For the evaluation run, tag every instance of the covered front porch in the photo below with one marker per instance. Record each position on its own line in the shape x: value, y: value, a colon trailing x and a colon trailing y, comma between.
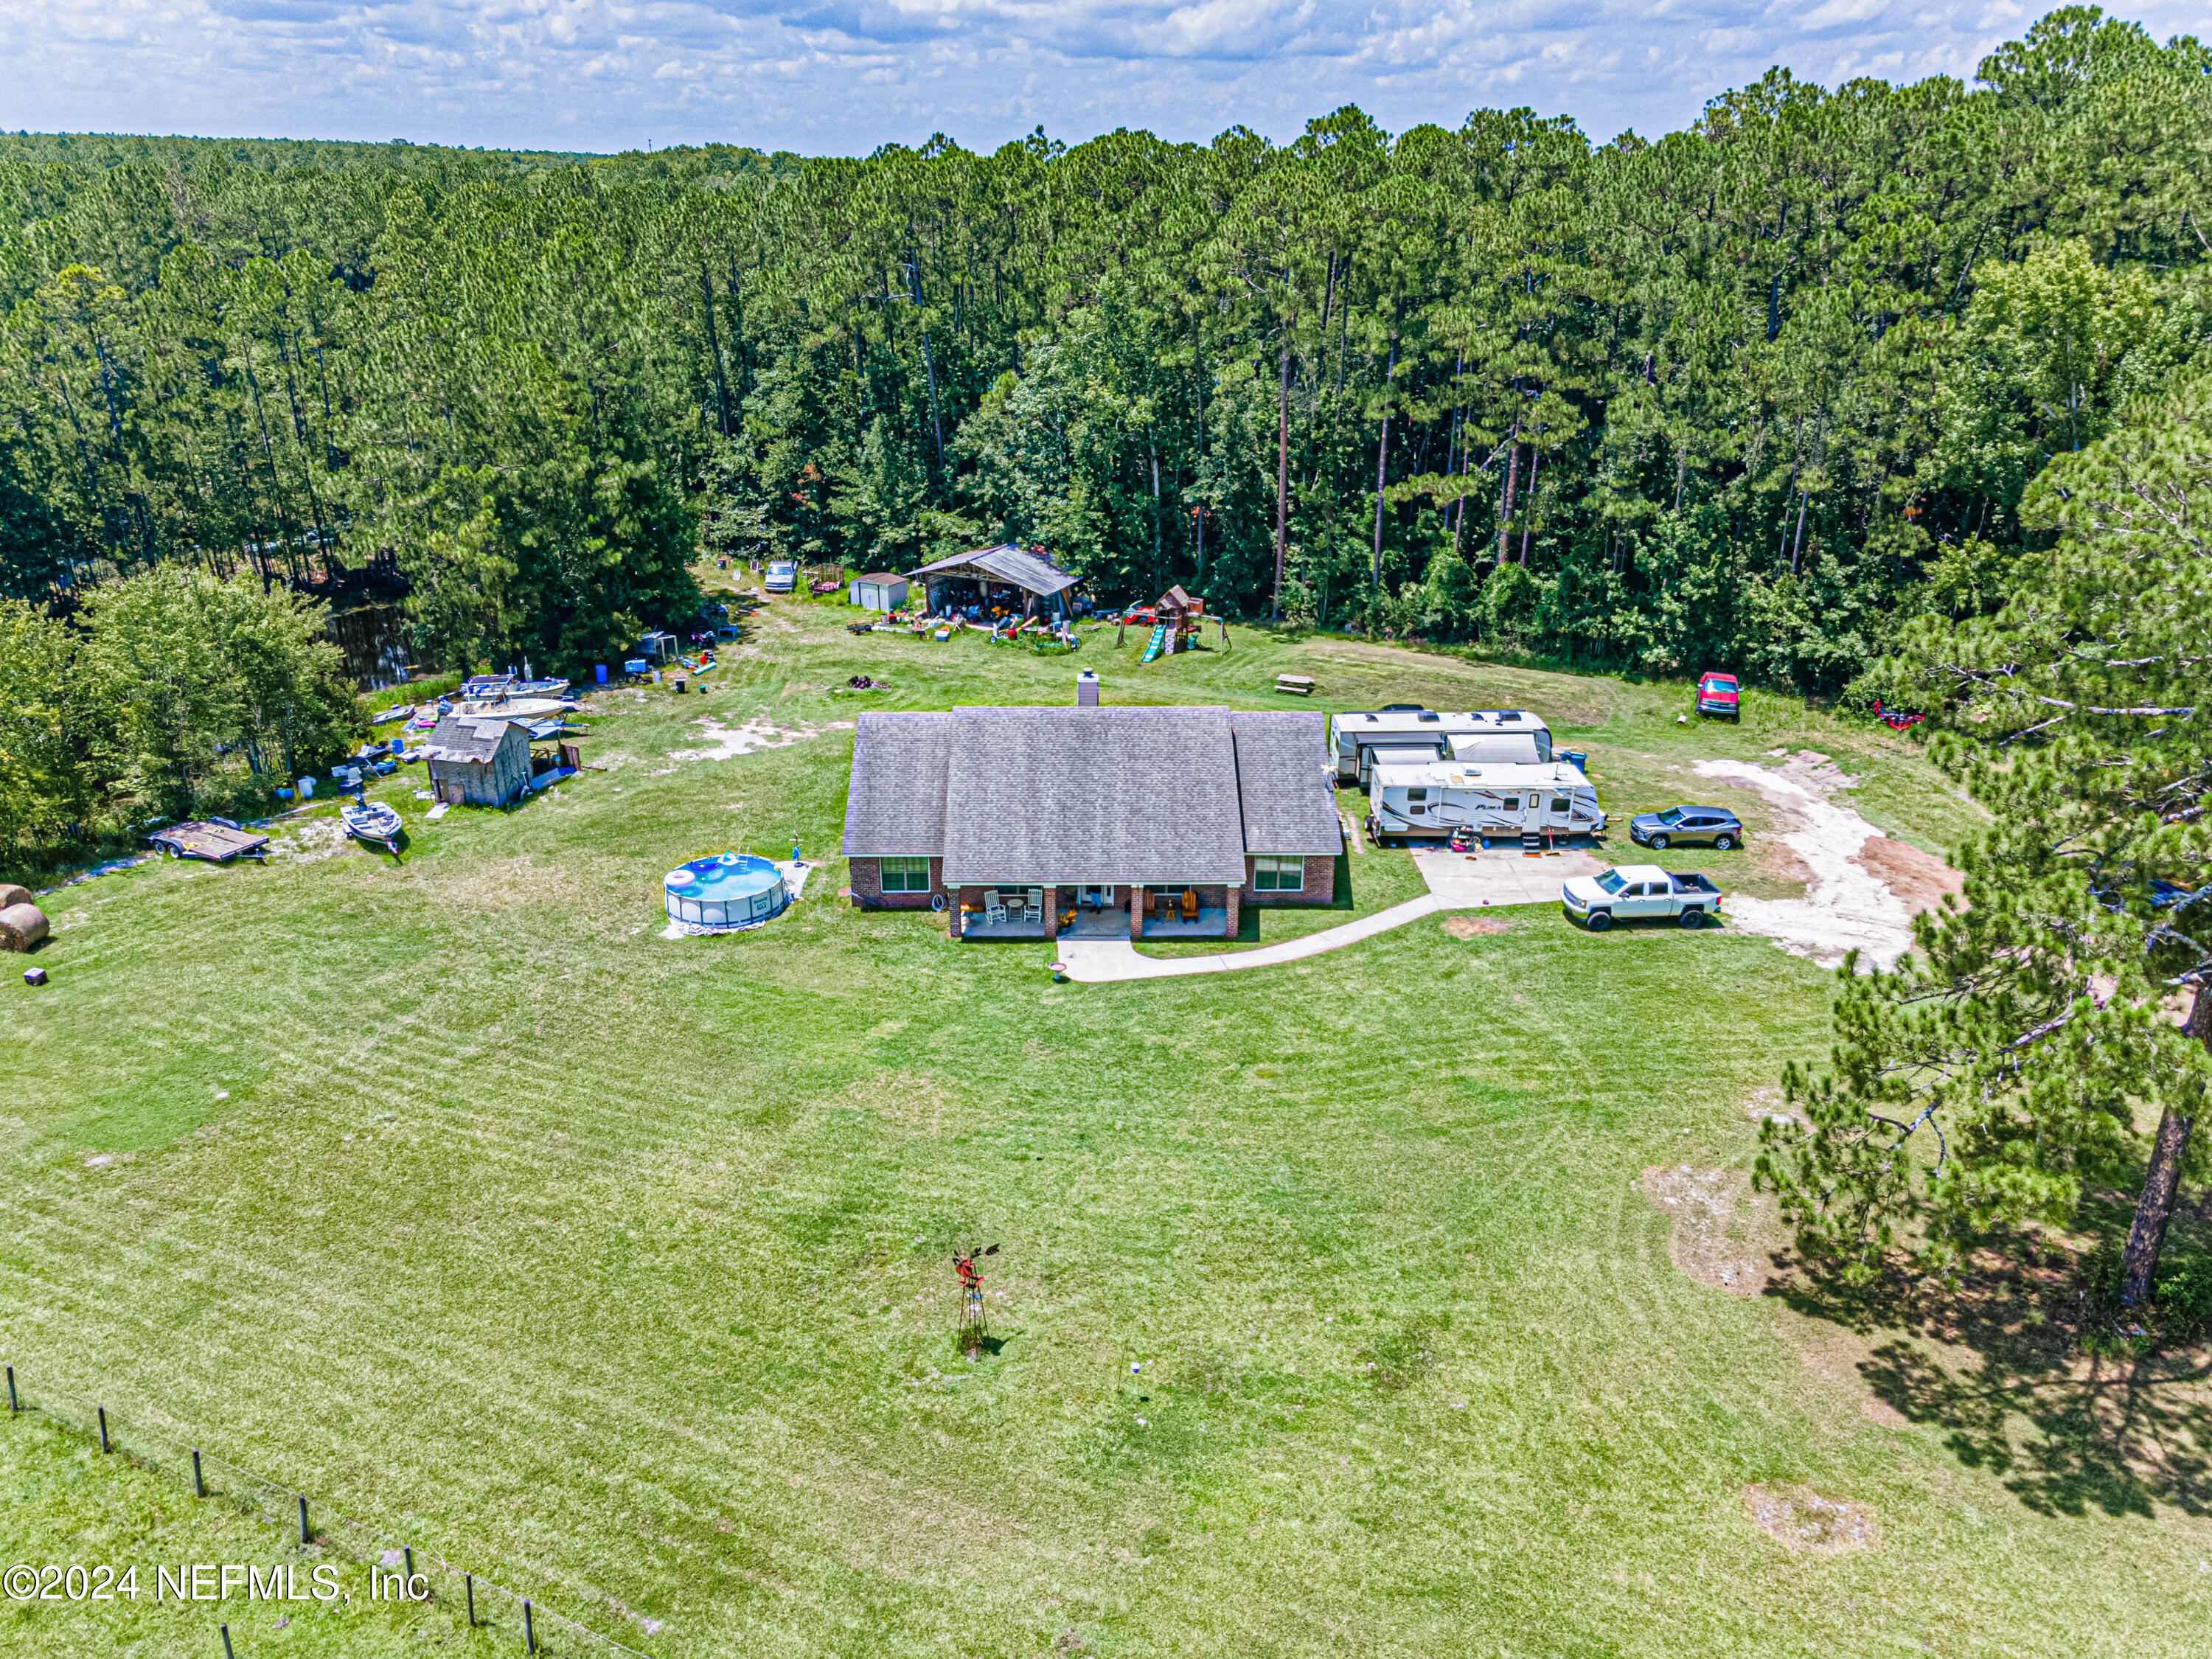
x: 1004, y: 910
x: 1192, y: 912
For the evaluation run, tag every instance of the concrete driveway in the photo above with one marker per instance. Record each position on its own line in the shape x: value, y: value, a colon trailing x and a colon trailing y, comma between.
x: 1469, y: 881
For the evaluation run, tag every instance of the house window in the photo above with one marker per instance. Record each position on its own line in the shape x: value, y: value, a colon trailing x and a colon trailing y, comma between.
x: 1278, y: 875
x: 906, y: 875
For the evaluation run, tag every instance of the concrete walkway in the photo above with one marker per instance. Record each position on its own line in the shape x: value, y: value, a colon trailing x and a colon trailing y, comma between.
x: 1457, y: 881
x: 1095, y: 961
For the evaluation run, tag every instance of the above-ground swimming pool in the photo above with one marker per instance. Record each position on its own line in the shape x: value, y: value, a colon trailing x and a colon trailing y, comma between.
x: 726, y: 891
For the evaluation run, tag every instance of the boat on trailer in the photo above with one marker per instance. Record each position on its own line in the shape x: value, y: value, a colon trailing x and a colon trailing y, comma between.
x: 372, y: 821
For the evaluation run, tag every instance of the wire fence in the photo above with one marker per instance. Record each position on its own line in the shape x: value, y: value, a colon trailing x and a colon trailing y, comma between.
x: 486, y: 1604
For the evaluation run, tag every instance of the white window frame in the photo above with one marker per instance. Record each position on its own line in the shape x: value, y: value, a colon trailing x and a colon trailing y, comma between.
x: 1284, y: 865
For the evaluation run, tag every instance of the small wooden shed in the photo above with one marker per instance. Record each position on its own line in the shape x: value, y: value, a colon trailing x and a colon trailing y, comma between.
x: 879, y: 590
x: 478, y: 760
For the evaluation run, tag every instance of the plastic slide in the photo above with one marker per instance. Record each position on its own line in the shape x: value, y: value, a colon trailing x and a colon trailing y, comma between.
x: 1156, y: 644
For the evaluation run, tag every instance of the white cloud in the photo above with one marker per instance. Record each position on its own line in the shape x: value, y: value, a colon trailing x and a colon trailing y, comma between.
x: 844, y: 75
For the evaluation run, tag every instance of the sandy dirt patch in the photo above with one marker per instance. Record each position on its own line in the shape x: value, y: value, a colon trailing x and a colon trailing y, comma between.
x: 1778, y: 862
x: 314, y: 839
x: 1704, y: 1206
x: 1767, y: 1105
x: 1842, y: 1361
x: 1475, y: 926
x: 728, y: 742
x: 1921, y: 879
x: 1802, y: 1520
x: 1848, y: 903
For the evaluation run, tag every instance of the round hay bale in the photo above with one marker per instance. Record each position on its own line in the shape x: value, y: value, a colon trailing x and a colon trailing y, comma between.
x: 11, y: 895
x: 21, y: 926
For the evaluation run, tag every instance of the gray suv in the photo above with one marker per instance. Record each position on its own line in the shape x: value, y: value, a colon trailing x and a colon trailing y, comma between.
x: 1685, y: 824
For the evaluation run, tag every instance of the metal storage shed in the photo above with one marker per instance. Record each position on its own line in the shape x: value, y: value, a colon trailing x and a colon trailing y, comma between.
x: 879, y: 590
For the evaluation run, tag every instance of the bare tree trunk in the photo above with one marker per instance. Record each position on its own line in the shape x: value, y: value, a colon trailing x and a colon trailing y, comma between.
x: 1382, y: 461
x: 1535, y: 460
x: 2155, y: 1208
x: 1506, y: 504
x: 928, y: 362
x: 1454, y: 446
x: 1282, y: 479
x: 1159, y: 556
x: 715, y: 349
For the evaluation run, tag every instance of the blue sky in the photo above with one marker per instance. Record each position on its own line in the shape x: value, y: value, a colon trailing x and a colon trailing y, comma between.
x: 843, y: 76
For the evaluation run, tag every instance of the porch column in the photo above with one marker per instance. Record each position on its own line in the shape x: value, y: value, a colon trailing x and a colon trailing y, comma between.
x: 1052, y: 913
x: 1234, y: 895
x: 1136, y: 912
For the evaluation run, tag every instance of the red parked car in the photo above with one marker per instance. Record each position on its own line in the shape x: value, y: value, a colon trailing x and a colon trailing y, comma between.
x: 1718, y: 694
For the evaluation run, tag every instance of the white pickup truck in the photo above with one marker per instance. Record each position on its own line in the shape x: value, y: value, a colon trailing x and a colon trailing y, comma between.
x: 1640, y: 892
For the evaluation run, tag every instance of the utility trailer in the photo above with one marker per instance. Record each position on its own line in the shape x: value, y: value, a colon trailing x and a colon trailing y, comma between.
x: 1354, y: 737
x: 1435, y: 799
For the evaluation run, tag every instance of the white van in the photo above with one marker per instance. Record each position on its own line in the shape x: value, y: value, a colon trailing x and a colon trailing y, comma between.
x: 1430, y: 801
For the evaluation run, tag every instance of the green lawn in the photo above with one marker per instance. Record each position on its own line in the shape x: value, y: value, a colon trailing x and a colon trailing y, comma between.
x: 616, y: 1267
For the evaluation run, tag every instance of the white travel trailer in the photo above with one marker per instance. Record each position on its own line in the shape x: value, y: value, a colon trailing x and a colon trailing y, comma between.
x: 1431, y: 800
x: 1501, y: 748
x: 1354, y: 737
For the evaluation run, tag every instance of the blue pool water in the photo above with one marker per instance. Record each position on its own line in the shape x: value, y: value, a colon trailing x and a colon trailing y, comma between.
x: 727, y: 890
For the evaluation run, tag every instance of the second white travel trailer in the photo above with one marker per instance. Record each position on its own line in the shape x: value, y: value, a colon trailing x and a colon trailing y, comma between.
x: 1431, y: 800
x: 1354, y: 738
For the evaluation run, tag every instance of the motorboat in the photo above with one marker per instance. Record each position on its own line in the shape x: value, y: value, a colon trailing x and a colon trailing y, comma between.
x: 374, y: 822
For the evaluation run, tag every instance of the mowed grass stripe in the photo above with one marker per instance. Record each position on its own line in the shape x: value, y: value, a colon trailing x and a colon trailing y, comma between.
x: 685, y: 1194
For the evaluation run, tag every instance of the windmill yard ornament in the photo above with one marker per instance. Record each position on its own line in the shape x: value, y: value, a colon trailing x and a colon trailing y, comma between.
x: 971, y: 1295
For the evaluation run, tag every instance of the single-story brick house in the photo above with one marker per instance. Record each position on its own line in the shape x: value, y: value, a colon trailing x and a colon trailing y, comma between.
x: 1153, y: 822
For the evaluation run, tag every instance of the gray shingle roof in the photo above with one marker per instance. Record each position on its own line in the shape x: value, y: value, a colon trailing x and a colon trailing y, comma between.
x: 1015, y: 566
x: 467, y: 738
x: 897, y: 800
x: 1283, y: 784
x: 1067, y: 795
x: 1062, y: 796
